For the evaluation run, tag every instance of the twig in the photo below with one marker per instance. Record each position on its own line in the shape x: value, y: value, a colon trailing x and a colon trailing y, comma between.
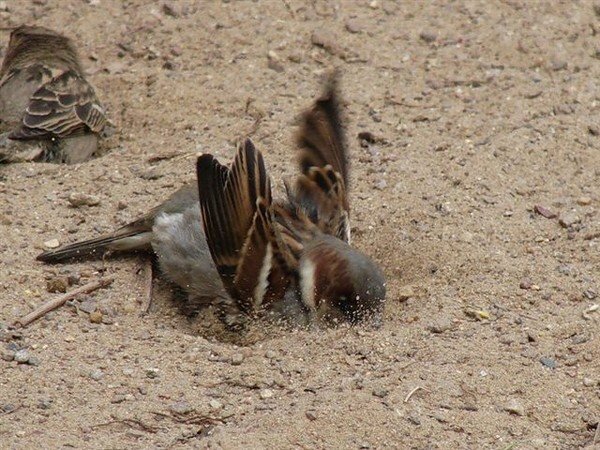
x: 148, y: 291
x: 130, y: 422
x: 59, y: 301
x: 411, y: 393
x: 10, y: 411
x: 193, y: 419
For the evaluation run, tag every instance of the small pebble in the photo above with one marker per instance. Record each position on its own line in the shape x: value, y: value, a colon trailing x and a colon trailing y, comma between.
x: 182, y: 407
x: 428, y: 36
x: 588, y: 382
x: 544, y: 212
x: 152, y: 372
x: 9, y: 407
x: 171, y: 9
x: 119, y: 398
x: 237, y: 359
x: 295, y: 56
x: 96, y: 374
x: 515, y: 407
x: 590, y: 294
x: 380, y: 185
x: 584, y: 201
x: 274, y: 62
x: 525, y: 283
x: 558, y: 64
x: 354, y: 25
x: 405, y: 293
x: 215, y: 404
x: 311, y: 415
x: 33, y: 361
x: 21, y: 356
x: 326, y: 39
x: 52, y: 243
x: 594, y: 130
x: 266, y: 394
x: 440, y: 325
x: 381, y: 393
x: 87, y: 306
x: 151, y: 174
x: 45, y: 403
x: 567, y: 220
x: 548, y: 362
x: 413, y: 418
x: 77, y: 199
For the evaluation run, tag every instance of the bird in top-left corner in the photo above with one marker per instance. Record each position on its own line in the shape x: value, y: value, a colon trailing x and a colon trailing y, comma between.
x: 46, y: 100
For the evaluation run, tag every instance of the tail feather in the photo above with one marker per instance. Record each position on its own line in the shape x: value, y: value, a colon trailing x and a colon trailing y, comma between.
x: 128, y: 240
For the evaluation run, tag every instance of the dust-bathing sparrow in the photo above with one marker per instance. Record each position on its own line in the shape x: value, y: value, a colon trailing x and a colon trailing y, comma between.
x: 288, y: 259
x: 44, y: 97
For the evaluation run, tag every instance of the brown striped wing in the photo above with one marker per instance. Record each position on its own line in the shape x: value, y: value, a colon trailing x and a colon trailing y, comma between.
x: 64, y: 106
x: 321, y: 188
x: 236, y: 215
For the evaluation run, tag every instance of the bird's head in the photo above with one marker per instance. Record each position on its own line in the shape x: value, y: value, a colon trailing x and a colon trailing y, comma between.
x: 339, y: 284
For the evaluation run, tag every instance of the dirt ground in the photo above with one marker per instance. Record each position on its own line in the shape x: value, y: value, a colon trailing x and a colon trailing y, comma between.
x: 481, y: 112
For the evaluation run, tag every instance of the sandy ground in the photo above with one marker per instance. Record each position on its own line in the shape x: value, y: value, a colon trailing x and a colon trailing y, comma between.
x: 481, y: 111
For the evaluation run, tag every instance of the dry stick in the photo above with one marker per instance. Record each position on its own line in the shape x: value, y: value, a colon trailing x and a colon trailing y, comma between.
x: 59, y: 301
x: 411, y: 393
x: 149, y: 278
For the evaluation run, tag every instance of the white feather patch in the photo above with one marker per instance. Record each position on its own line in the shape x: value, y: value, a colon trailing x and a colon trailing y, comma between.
x: 263, y: 277
x: 307, y: 283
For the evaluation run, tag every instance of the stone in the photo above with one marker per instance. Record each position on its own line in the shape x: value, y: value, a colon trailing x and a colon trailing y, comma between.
x: 354, y: 25
x: 182, y: 407
x: 381, y: 393
x: 428, y: 36
x: 405, y: 292
x: 266, y: 394
x: 52, y: 243
x: 515, y: 407
x: 237, y: 359
x: 544, y: 212
x: 568, y: 219
x: 96, y: 374
x: 78, y: 199
x: 21, y: 356
x: 548, y: 362
x: 311, y: 415
x: 584, y: 201
x: 440, y: 325
x: 215, y: 404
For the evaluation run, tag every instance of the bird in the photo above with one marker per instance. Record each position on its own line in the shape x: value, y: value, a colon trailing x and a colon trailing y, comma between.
x: 287, y: 259
x: 45, y: 98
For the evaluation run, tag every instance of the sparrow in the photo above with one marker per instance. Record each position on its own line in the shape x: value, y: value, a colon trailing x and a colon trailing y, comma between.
x: 227, y: 238
x: 44, y: 97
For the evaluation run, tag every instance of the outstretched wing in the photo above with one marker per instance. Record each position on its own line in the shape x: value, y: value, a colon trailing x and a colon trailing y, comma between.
x: 64, y: 106
x: 236, y: 215
x: 321, y: 188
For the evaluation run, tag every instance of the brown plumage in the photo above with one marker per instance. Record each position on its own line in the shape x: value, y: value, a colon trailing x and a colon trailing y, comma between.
x: 44, y: 96
x: 289, y: 259
x: 292, y: 255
